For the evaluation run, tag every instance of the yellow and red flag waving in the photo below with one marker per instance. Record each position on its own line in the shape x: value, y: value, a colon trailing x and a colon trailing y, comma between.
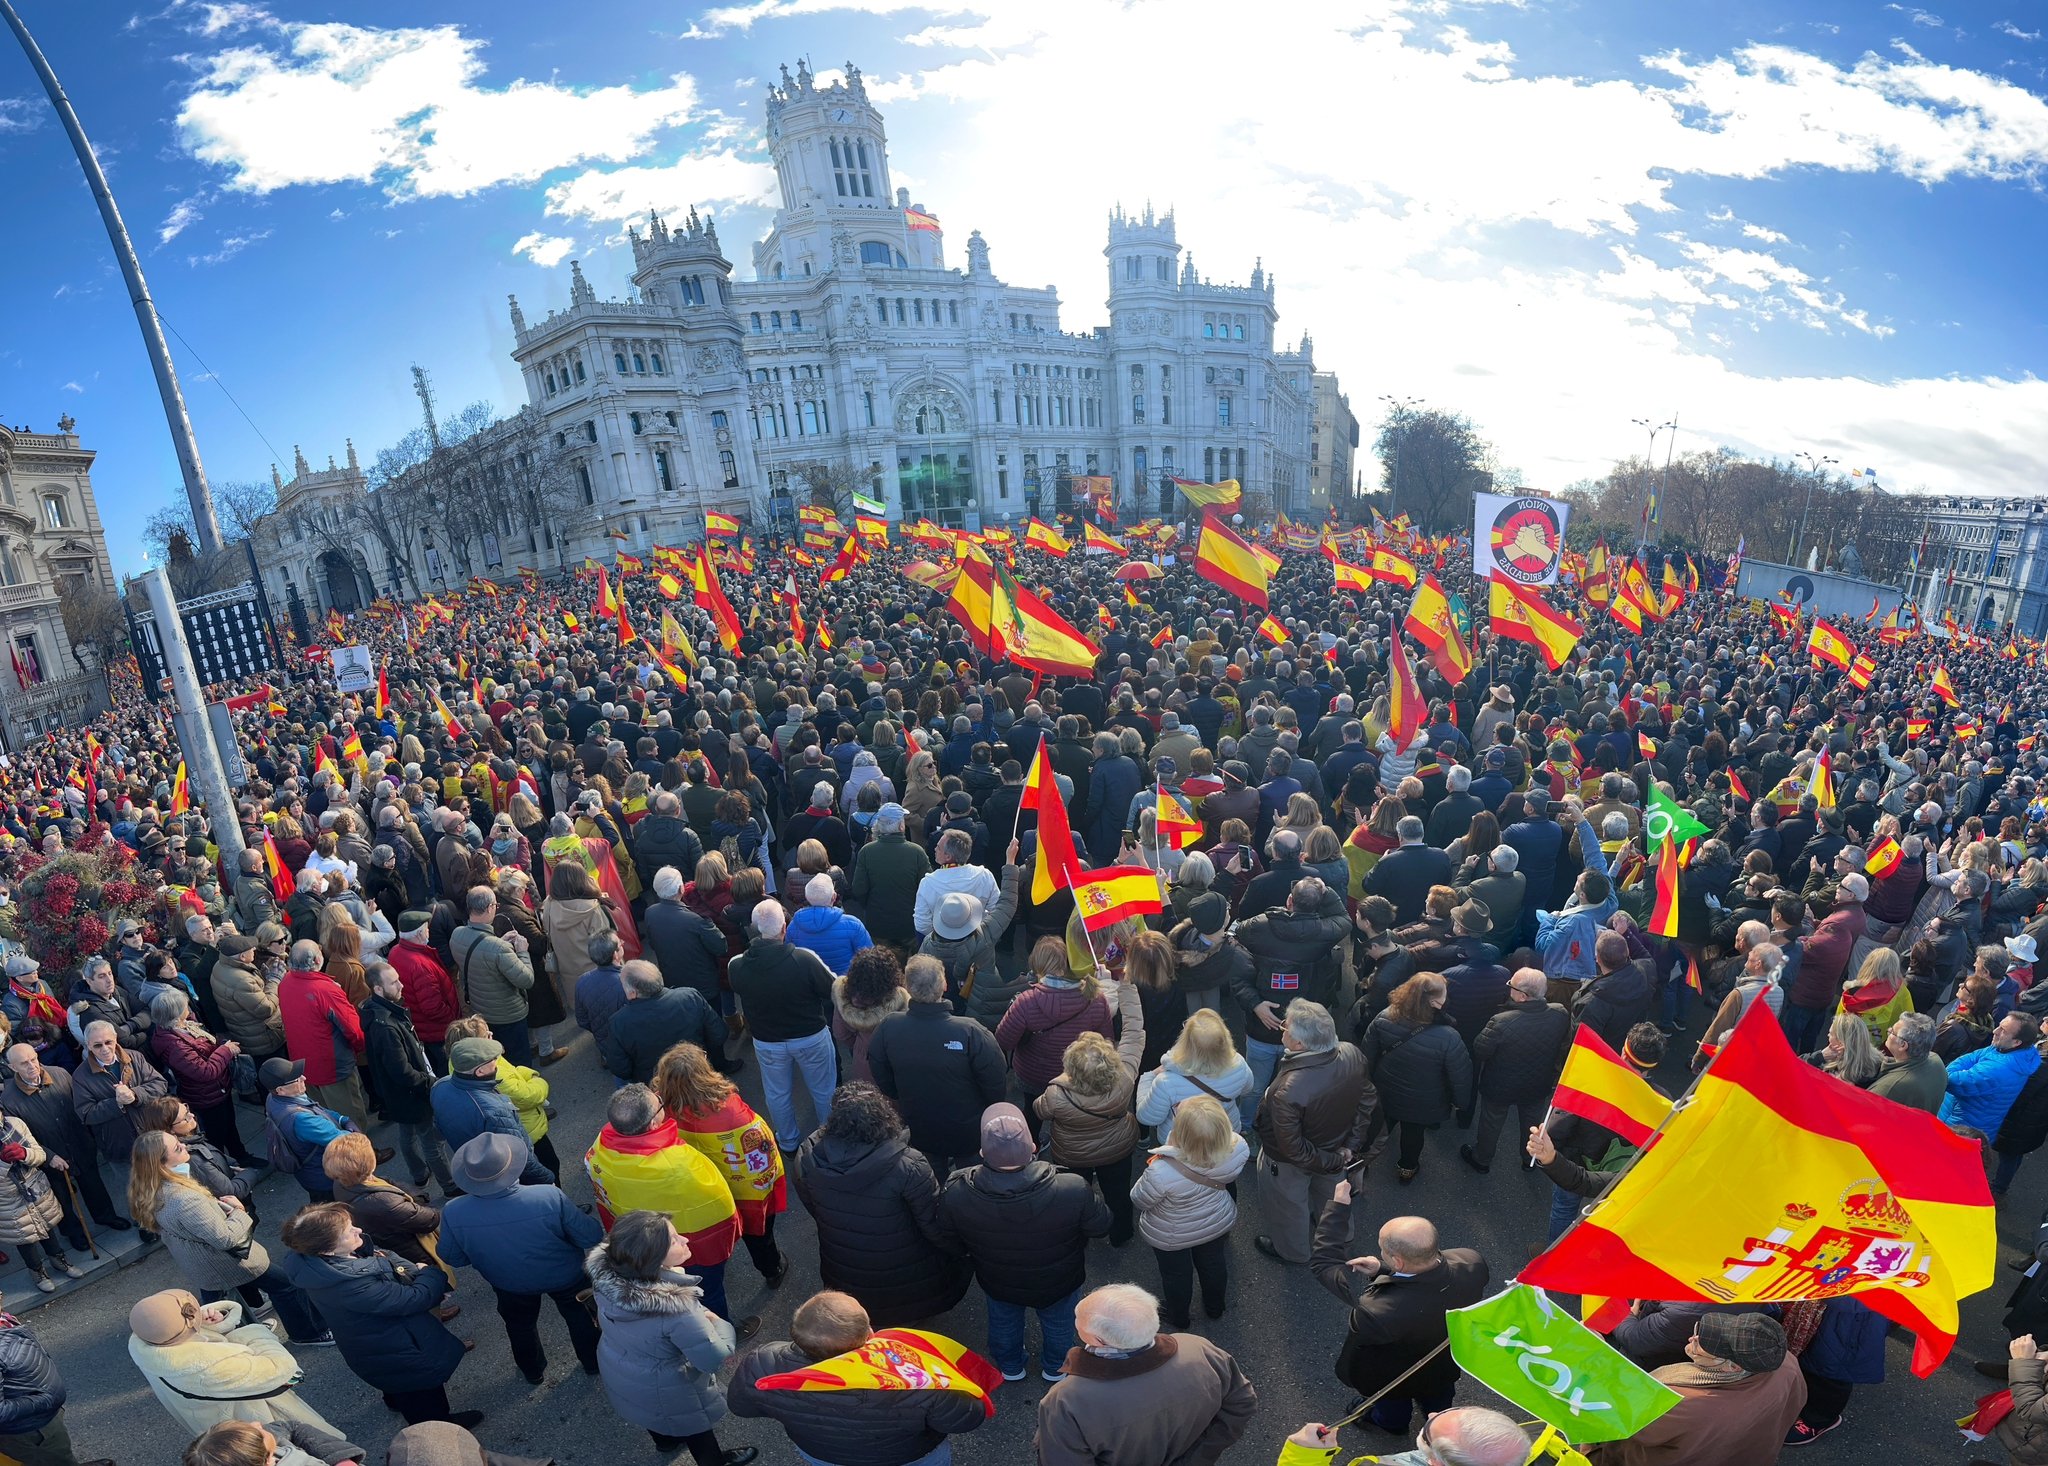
x: 1223, y: 495
x: 1273, y: 631
x: 1944, y: 688
x: 1664, y: 910
x: 448, y: 720
x: 898, y: 1359
x: 1860, y: 1195
x: 1829, y: 645
x: 1860, y: 672
x: 1597, y: 1085
x: 181, y: 792
x: 1598, y: 589
x: 668, y: 585
x: 607, y: 603
x: 1175, y: 827
x: 1057, y: 865
x: 1520, y: 614
x: 627, y: 635
x: 1094, y: 539
x: 1350, y: 577
x: 1883, y: 859
x: 1408, y: 711
x: 1822, y: 786
x: 1392, y: 568
x: 282, y: 885
x: 1047, y: 539
x: 1110, y: 895
x: 1222, y: 559
x: 720, y: 524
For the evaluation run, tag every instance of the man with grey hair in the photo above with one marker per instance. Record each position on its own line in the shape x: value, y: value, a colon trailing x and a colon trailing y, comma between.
x: 1518, y: 1055
x: 941, y: 1070
x: 786, y: 993
x: 1452, y: 816
x: 1398, y: 1301
x: 1467, y: 1436
x: 1911, y: 1074
x: 1137, y: 1397
x: 1503, y: 888
x: 324, y: 1031
x: 664, y: 837
x: 655, y: 1017
x: 255, y: 900
x: 107, y: 1085
x: 887, y: 881
x: 1314, y: 1122
x: 957, y: 875
x: 1404, y: 875
x: 689, y: 950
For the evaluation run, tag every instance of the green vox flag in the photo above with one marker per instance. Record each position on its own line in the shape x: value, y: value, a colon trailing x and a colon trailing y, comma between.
x: 1535, y: 1355
x: 1668, y: 820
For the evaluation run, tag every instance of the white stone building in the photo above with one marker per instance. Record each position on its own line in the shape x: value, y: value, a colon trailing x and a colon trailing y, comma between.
x: 50, y: 536
x: 1332, y: 446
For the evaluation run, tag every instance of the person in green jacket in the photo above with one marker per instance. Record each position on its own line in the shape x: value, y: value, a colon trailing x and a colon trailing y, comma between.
x: 1469, y: 1436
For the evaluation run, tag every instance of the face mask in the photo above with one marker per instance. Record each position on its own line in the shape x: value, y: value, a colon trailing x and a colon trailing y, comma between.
x: 183, y: 1168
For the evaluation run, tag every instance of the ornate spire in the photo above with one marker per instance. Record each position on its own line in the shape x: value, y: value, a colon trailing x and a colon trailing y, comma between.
x: 977, y: 254
x: 276, y: 479
x: 580, y: 292
x: 299, y: 468
x: 353, y: 466
x: 518, y: 316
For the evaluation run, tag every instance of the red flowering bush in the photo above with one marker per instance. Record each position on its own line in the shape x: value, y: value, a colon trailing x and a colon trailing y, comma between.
x: 69, y: 906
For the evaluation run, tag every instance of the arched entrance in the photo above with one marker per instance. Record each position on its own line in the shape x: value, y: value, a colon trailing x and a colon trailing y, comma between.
x: 342, y: 592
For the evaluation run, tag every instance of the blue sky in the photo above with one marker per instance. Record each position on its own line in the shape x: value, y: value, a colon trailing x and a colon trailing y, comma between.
x: 1799, y: 228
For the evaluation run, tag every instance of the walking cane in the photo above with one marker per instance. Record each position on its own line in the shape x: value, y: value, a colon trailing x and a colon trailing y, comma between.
x: 78, y: 1210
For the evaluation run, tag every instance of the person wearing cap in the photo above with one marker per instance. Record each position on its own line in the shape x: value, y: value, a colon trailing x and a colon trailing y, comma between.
x: 381, y: 1311
x: 785, y: 990
x: 468, y: 1102
x: 248, y: 1005
x: 205, y: 1365
x: 1740, y: 1390
x: 428, y: 985
x: 1823, y: 964
x: 886, y: 882
x: 819, y: 926
x: 297, y: 1127
x: 34, y: 1012
x: 526, y: 1240
x: 1024, y: 1224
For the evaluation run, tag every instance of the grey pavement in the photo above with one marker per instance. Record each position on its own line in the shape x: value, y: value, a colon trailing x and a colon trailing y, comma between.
x: 1284, y: 1330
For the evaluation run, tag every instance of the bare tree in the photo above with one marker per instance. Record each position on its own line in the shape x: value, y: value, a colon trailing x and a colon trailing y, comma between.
x: 537, y: 487
x: 1433, y: 462
x: 94, y: 619
x: 833, y: 482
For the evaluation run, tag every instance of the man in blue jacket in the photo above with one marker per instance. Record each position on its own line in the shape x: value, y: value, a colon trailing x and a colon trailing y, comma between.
x: 1983, y: 1084
x: 821, y: 927
x: 467, y: 1103
x: 297, y: 1127
x: 528, y: 1242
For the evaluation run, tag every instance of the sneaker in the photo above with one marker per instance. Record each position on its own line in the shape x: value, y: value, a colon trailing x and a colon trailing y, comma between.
x: 318, y: 1341
x: 1013, y: 1378
x: 1052, y: 1376
x: 70, y: 1269
x: 1802, y: 1434
x: 740, y: 1456
x: 44, y: 1283
x: 552, y: 1056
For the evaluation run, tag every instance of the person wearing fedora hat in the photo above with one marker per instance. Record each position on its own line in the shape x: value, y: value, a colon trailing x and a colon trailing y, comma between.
x: 205, y: 1365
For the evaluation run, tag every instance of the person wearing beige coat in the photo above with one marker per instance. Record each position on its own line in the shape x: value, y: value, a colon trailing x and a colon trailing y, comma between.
x: 1090, y: 1125
x: 29, y: 1210
x: 205, y: 1365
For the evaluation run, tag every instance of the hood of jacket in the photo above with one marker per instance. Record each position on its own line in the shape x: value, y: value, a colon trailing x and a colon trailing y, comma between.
x: 866, y: 1020
x: 672, y: 1292
x: 1026, y: 1180
x: 440, y: 1443
x: 1224, y: 1171
x: 831, y: 1156
x: 816, y: 920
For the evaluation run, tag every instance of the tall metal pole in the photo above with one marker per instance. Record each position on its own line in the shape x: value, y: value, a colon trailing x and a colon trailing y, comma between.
x: 1818, y: 468
x: 182, y: 439
x: 208, y: 779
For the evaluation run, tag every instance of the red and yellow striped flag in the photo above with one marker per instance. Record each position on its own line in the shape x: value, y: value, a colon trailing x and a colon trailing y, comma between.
x: 1664, y: 910
x: 898, y: 1359
x: 1829, y: 645
x: 1944, y: 688
x: 1222, y: 559
x: 1883, y: 859
x: 1046, y: 539
x: 720, y: 524
x: 1521, y: 614
x: 1176, y: 829
x: 1860, y: 1196
x: 1094, y: 539
x: 1598, y: 1085
x: 181, y: 792
x: 1110, y: 895
x: 1408, y: 711
x: 1273, y: 631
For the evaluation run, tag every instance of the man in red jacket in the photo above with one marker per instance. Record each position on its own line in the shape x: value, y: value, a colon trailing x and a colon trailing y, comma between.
x: 323, y: 1031
x: 430, y: 994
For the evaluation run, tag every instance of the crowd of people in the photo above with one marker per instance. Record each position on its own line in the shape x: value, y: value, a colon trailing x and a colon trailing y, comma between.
x: 816, y: 861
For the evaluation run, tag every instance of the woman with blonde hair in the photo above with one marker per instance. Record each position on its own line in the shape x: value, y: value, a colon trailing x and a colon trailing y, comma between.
x: 1877, y: 994
x: 1186, y: 1207
x: 1301, y: 815
x: 211, y: 1238
x: 921, y: 790
x: 711, y: 1116
x: 1202, y: 1061
x: 1086, y: 1108
x: 1850, y: 1054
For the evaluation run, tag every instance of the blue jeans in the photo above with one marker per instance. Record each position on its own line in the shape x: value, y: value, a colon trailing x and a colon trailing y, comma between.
x: 711, y: 1280
x: 1564, y: 1210
x: 1055, y: 1334
x: 2008, y: 1167
x: 1805, y: 1028
x: 1677, y: 998
x: 1264, y: 1059
x: 939, y: 1455
x: 518, y: 1042
x: 813, y: 1059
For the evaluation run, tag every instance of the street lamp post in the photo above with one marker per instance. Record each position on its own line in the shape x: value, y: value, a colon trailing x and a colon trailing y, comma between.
x: 1401, y: 407
x: 1815, y: 467
x: 1649, y: 462
x: 182, y: 438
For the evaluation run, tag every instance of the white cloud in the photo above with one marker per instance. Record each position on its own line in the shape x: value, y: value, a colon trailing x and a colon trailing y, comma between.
x: 545, y: 250
x: 2006, y: 27
x: 19, y: 114
x: 1758, y: 231
x: 1918, y: 16
x: 621, y: 194
x: 235, y: 15
x: 183, y: 215
x: 73, y: 387
x: 227, y: 249
x: 405, y: 108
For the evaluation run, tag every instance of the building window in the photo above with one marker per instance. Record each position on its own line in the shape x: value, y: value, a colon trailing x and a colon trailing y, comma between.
x: 1223, y: 409
x: 867, y: 400
x: 1131, y: 268
x: 671, y: 418
x: 1166, y: 407
x: 590, y: 432
x: 1241, y: 474
x: 579, y: 370
x: 719, y: 422
x: 952, y: 312
x: 640, y: 363
x: 619, y: 360
x: 634, y: 418
x: 1237, y: 333
x: 873, y: 252
x: 661, y: 473
x: 54, y: 512
x: 1137, y: 465
x: 1013, y: 320
x: 754, y: 318
x: 917, y: 311
x: 1027, y: 322
x: 1137, y: 407
x: 659, y: 370
x: 583, y: 482
x: 1209, y: 329
x: 728, y: 467
x: 899, y: 310
x: 775, y: 320
x: 551, y: 384
x: 796, y: 320
x: 996, y: 395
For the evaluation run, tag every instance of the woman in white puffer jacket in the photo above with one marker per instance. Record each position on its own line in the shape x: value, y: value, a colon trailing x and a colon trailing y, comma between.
x: 1186, y: 1209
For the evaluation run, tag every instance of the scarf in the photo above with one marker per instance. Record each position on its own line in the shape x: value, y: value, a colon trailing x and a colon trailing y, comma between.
x: 41, y: 1005
x: 1869, y: 997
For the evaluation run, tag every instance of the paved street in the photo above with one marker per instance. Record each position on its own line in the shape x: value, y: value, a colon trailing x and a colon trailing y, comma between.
x: 1282, y: 1327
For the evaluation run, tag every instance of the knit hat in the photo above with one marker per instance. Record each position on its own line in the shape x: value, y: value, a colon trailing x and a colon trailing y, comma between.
x: 489, y: 1164
x: 467, y: 1055
x: 1005, y: 1138
x: 1751, y: 1341
x: 1210, y: 912
x: 162, y: 1317
x: 958, y: 916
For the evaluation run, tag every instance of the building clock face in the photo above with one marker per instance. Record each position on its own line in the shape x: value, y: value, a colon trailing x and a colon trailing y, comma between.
x: 840, y: 114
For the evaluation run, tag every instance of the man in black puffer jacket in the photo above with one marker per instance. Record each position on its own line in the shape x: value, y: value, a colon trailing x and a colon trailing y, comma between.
x: 1025, y: 1225
x: 1294, y: 955
x: 845, y: 1427
x: 665, y: 838
x: 1519, y: 1054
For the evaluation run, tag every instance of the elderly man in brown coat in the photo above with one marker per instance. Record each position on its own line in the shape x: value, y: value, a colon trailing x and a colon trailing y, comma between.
x: 1138, y: 1397
x: 1739, y: 1391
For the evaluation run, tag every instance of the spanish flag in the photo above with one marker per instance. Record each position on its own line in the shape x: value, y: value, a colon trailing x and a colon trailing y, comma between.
x: 720, y: 524
x: 1945, y: 689
x: 569, y: 620
x: 1407, y: 709
x: 1274, y: 632
x: 1664, y: 910
x: 627, y: 635
x: 1635, y: 587
x: 1113, y: 894
x: 1223, y: 495
x: 1626, y: 611
x: 1860, y: 1196
x: 868, y: 525
x: 448, y: 720
x: 181, y: 792
x: 282, y: 886
x: 628, y: 565
x: 1392, y: 568
x: 899, y: 1359
x: 1822, y: 786
x: 1047, y: 539
x: 1057, y: 865
x: 1224, y: 560
x: 1175, y: 828
x: 1598, y: 1085
x: 1883, y: 859
x: 352, y: 749
x: 383, y: 693
x: 1736, y: 787
x: 1431, y: 622
x: 1829, y: 645
x: 1674, y: 590
x: 1520, y: 614
x: 1860, y: 672
x: 1350, y: 577
x: 607, y: 603
x: 1162, y: 636
x: 670, y: 588
x: 1598, y: 589
x: 1094, y: 539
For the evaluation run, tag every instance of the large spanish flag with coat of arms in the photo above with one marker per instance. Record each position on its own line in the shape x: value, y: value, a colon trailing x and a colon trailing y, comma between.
x: 1774, y: 1182
x: 898, y: 1359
